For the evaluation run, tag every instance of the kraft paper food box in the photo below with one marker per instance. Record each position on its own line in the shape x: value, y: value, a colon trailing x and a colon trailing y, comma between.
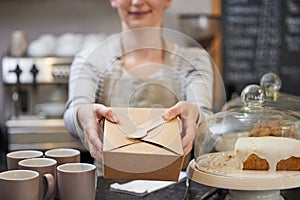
x: 157, y: 156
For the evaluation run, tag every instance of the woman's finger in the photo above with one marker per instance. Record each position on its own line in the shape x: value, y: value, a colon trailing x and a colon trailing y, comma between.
x: 187, y: 149
x: 94, y: 143
x: 188, y: 137
x: 95, y: 153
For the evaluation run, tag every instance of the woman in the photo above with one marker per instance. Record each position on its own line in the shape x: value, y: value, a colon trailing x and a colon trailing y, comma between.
x: 138, y: 68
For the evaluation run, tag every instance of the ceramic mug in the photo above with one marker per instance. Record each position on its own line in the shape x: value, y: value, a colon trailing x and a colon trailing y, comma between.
x: 46, y: 167
x: 19, y: 185
x: 50, y: 109
x: 14, y: 157
x: 18, y: 46
x: 77, y: 181
x: 63, y: 155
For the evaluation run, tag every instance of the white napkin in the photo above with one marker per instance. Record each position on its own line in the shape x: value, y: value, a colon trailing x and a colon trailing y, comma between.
x: 143, y: 187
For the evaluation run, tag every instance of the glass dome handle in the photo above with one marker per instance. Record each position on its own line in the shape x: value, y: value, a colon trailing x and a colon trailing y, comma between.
x: 271, y: 83
x: 253, y: 95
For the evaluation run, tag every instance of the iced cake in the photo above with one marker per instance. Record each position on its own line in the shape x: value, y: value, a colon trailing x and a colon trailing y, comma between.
x: 268, y: 153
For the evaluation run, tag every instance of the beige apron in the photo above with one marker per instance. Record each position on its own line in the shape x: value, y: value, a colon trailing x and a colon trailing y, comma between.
x: 122, y: 89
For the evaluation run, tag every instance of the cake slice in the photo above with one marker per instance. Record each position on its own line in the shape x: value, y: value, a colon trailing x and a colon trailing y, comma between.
x: 273, y: 128
x: 268, y: 153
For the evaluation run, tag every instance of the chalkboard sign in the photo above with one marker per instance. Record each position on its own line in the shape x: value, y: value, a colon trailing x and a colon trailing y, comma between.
x: 261, y: 36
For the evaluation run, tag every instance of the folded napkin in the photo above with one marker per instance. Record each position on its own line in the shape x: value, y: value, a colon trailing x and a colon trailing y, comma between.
x: 143, y: 187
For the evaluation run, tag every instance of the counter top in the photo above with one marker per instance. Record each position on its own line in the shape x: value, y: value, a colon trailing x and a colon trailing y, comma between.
x: 177, y: 191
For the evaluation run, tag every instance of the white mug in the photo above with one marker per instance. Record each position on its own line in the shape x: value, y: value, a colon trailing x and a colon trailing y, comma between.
x: 18, y: 45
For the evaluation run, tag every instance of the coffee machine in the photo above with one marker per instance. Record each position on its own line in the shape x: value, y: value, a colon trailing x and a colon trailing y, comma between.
x: 34, y: 94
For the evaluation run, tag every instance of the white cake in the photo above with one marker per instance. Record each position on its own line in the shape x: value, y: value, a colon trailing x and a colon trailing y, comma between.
x: 268, y: 151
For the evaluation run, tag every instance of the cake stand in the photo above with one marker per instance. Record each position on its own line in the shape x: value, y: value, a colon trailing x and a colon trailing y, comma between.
x: 219, y: 170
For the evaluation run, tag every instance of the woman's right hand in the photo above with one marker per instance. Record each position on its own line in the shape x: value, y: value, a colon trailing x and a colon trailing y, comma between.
x: 89, y: 117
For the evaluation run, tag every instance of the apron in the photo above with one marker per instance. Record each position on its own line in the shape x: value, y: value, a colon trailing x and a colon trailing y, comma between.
x: 122, y: 89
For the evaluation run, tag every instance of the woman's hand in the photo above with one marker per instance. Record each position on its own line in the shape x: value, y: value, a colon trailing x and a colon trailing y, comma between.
x: 189, y: 113
x: 89, y: 117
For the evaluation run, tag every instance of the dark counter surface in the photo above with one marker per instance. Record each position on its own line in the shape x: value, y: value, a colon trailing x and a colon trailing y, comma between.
x: 177, y: 191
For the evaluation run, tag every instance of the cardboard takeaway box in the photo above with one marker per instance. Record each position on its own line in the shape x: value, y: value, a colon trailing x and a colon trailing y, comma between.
x: 157, y: 156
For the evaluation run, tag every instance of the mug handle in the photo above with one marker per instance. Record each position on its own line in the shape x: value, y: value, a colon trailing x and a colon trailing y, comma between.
x: 50, y: 192
x: 96, y: 180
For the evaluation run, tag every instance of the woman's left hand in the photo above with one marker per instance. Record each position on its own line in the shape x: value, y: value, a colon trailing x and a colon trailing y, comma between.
x: 189, y: 114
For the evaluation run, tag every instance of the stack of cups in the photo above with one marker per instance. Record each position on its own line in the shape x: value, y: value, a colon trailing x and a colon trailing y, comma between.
x: 58, y: 174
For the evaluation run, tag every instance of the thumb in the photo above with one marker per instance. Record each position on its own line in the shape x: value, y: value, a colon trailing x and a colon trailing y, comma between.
x: 171, y: 113
x: 106, y: 112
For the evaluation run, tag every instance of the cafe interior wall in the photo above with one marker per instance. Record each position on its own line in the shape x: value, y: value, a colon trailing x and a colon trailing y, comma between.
x: 36, y: 17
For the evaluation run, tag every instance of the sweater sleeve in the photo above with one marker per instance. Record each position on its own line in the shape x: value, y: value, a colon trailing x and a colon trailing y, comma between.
x: 196, y: 75
x: 82, y: 87
x: 86, y: 71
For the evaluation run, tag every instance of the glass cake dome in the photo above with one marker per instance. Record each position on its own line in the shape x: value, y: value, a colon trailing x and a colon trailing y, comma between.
x: 271, y: 83
x: 220, y: 132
